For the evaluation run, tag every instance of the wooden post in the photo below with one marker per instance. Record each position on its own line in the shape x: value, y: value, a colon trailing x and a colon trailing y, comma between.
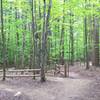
x: 68, y: 69
x: 34, y: 75
x: 65, y: 70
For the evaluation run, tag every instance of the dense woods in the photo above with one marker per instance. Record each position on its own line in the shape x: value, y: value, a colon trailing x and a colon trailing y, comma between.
x: 39, y: 33
x: 49, y: 49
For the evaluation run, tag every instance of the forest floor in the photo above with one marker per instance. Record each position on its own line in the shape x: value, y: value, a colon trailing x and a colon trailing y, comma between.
x: 81, y: 85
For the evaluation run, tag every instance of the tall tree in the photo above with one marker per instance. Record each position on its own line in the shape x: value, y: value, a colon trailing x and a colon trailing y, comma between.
x: 43, y: 45
x: 86, y: 38
x: 3, y: 42
x: 44, y: 38
x: 62, y: 36
x: 71, y: 39
x: 17, y: 40
x: 95, y: 60
x: 33, y: 34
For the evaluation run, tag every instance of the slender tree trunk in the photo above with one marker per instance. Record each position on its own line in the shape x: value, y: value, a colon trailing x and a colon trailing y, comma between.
x: 17, y: 41
x: 33, y: 40
x: 23, y: 48
x: 95, y: 41
x: 71, y: 40
x: 48, y: 28
x: 86, y: 38
x: 86, y: 43
x: 35, y: 36
x: 39, y: 43
x: 3, y: 43
x: 44, y: 38
x: 43, y: 45
x: 62, y: 38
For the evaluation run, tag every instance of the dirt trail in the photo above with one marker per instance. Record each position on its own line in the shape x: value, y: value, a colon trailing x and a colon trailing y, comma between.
x: 73, y: 88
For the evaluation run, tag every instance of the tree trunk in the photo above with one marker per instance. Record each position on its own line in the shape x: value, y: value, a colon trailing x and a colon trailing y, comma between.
x: 95, y: 61
x: 86, y: 43
x: 71, y: 40
x: 3, y: 43
x: 43, y: 45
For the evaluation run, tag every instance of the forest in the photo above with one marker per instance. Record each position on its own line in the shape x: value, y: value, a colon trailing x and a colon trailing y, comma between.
x: 49, y: 40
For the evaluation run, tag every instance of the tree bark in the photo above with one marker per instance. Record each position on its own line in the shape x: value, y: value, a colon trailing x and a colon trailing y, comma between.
x: 3, y: 43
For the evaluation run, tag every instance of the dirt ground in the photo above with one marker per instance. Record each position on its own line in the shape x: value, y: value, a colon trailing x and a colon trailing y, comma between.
x: 81, y: 85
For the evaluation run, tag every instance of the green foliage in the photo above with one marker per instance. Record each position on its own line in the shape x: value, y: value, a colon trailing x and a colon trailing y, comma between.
x: 14, y: 24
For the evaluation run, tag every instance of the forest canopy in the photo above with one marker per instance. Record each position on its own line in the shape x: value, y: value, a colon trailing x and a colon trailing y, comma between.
x: 69, y: 26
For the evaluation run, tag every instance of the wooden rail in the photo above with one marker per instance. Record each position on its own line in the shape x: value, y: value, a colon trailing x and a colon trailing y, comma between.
x: 11, y: 75
x: 8, y: 76
x: 23, y: 70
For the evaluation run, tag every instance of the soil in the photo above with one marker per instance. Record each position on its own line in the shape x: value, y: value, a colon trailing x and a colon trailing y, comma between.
x: 81, y: 85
